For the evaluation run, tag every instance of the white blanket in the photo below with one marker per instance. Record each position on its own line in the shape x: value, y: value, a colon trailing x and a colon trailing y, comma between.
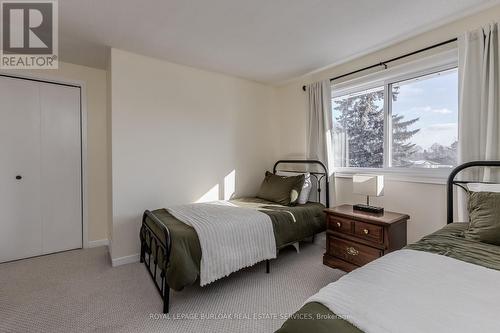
x: 414, y: 291
x: 230, y: 237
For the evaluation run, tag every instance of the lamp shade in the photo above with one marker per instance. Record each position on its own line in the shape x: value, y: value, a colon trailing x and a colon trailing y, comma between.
x: 372, y: 185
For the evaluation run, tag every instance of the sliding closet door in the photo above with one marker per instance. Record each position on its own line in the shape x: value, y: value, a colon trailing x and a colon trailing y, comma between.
x: 60, y: 168
x: 20, y: 201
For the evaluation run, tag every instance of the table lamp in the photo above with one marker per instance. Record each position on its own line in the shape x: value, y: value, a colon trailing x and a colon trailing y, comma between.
x: 369, y: 185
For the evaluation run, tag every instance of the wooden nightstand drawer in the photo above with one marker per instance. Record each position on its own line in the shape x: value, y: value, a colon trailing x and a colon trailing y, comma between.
x: 352, y: 252
x: 369, y: 231
x: 339, y: 224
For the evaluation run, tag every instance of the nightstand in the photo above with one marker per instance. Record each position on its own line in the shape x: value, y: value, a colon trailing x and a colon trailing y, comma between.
x: 354, y: 238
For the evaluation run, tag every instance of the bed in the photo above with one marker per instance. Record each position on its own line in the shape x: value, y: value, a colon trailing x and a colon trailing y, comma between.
x: 172, y: 251
x: 448, y: 247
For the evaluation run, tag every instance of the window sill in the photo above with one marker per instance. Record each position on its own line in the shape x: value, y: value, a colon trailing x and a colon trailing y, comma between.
x: 424, y: 176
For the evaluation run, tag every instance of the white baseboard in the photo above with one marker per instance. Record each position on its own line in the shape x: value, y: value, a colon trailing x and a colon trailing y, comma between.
x: 125, y: 260
x: 99, y: 242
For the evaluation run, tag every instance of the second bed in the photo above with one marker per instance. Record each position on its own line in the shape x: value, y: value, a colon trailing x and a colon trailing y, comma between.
x: 177, y: 244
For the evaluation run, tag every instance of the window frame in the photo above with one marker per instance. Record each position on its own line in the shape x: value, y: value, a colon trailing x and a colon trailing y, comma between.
x: 386, y: 78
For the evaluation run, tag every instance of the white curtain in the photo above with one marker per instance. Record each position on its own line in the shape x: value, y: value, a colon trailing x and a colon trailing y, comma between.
x: 319, y: 120
x: 319, y: 125
x: 479, y: 91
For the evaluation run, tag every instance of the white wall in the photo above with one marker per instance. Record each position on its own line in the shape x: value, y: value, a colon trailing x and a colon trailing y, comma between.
x: 97, y: 150
x: 425, y: 203
x: 177, y: 133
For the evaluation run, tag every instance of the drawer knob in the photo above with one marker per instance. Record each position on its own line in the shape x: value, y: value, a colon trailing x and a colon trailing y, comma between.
x: 366, y: 231
x: 352, y: 251
x: 338, y: 224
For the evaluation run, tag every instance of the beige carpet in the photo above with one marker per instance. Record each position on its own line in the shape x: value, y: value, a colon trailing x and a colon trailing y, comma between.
x: 79, y: 291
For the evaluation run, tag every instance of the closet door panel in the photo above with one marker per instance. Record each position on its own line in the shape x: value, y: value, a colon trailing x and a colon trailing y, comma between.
x: 60, y: 168
x: 20, y: 202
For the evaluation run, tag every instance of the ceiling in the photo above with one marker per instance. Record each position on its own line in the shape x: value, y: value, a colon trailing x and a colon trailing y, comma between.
x: 263, y: 40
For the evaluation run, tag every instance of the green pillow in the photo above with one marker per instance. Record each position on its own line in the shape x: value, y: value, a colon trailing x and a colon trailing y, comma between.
x: 484, y: 215
x: 281, y: 189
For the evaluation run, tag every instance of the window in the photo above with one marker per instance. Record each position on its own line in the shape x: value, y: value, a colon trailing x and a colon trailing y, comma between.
x: 425, y: 121
x: 405, y: 120
x: 359, y: 125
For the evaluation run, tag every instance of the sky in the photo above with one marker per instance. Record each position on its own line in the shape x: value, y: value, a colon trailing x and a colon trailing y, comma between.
x: 435, y: 101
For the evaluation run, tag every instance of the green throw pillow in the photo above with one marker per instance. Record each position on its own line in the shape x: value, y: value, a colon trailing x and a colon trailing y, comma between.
x: 484, y: 214
x: 281, y: 189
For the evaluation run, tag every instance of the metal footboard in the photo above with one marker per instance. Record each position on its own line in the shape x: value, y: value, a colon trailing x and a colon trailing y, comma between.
x: 152, y: 246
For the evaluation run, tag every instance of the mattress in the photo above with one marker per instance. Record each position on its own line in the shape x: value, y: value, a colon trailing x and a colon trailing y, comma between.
x: 183, y: 268
x: 449, y: 241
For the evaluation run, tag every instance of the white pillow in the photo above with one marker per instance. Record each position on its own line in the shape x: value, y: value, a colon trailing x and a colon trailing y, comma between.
x: 306, y: 188
x: 480, y: 187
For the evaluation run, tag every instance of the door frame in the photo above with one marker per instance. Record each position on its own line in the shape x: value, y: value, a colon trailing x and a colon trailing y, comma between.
x: 17, y: 74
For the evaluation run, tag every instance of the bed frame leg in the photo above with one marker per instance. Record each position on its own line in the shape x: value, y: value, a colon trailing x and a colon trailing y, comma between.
x: 313, y: 238
x: 166, y: 298
x: 268, y: 266
x: 142, y: 240
x: 141, y: 258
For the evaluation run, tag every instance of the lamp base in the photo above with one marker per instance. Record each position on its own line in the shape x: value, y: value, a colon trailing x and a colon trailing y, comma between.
x: 368, y: 208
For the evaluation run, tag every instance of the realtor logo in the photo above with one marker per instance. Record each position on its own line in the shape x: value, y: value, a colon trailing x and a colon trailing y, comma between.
x: 29, y: 38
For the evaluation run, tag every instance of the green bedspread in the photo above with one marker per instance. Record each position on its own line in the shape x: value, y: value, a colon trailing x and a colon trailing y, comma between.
x: 184, y: 265
x: 447, y: 241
